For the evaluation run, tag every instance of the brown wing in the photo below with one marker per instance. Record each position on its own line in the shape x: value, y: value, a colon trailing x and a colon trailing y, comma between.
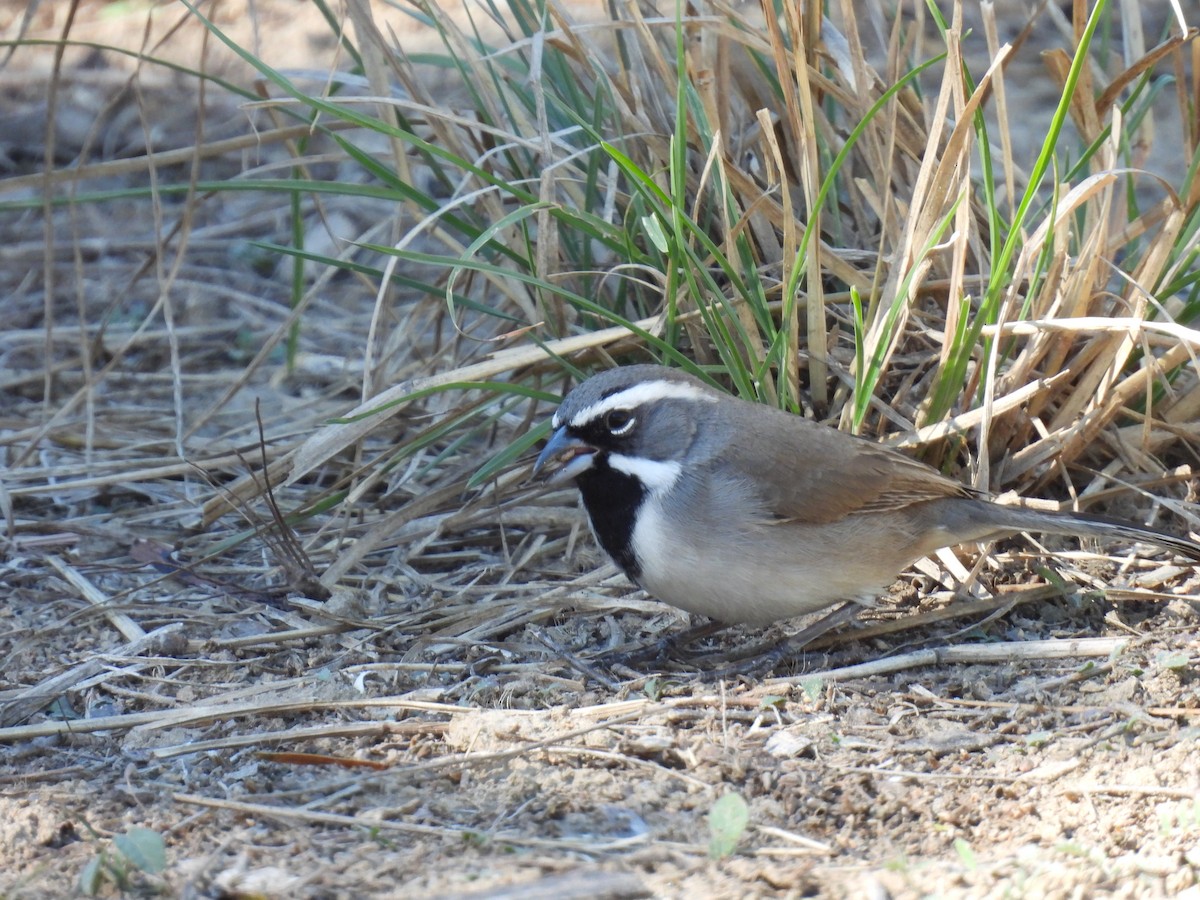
x: 828, y: 475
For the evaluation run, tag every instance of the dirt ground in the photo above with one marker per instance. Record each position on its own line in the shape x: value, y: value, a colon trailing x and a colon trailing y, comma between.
x: 455, y: 723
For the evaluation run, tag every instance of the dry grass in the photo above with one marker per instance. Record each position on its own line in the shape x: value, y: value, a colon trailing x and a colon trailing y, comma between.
x: 257, y: 505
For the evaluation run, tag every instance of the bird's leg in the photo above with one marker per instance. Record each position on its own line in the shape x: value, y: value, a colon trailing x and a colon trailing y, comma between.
x: 763, y: 659
x: 665, y: 647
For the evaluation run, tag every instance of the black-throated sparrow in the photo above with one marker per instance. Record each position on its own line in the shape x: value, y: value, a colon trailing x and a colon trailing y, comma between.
x: 749, y: 514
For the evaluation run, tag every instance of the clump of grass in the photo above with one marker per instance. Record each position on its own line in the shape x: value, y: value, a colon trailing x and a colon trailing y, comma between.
x: 750, y: 196
x: 833, y: 214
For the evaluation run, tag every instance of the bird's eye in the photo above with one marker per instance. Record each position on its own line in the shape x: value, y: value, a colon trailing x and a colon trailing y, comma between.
x: 619, y: 422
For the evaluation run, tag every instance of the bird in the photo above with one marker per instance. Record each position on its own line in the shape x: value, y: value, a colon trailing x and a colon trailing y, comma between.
x: 750, y: 514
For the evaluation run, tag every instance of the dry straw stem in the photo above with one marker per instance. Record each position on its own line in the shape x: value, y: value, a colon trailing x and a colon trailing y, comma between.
x: 373, y: 822
x: 168, y: 718
x: 1007, y: 652
x: 123, y: 623
x: 22, y: 703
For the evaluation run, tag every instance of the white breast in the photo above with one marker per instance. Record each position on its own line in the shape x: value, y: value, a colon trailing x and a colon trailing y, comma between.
x: 754, y: 574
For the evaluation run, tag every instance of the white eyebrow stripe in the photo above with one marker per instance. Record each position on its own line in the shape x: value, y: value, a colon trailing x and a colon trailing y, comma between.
x: 640, y: 394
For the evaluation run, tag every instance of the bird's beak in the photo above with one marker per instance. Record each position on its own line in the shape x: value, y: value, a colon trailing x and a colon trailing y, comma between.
x: 565, y: 455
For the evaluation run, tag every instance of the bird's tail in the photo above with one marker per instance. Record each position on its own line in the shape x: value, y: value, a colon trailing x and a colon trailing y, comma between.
x: 1016, y: 518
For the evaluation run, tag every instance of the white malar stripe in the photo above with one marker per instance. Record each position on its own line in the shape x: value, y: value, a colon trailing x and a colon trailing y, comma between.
x: 658, y: 477
x: 653, y: 541
x: 640, y: 394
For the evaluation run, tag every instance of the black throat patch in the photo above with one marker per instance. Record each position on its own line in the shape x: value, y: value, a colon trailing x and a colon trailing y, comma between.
x: 612, y: 500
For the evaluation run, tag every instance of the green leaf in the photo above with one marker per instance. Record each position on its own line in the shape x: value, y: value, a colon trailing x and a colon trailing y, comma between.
x: 1038, y: 738
x: 965, y: 854
x: 91, y: 878
x: 727, y: 820
x: 813, y: 686
x: 654, y: 231
x: 505, y: 457
x: 144, y: 848
x: 1174, y: 660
